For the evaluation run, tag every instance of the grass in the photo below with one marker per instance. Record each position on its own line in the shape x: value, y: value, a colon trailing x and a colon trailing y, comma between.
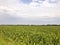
x: 29, y: 35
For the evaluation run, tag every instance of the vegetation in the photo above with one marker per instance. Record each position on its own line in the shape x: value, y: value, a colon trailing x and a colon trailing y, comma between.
x: 29, y: 35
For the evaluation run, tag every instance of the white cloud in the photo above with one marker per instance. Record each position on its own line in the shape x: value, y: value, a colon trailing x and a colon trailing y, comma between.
x: 30, y: 10
x: 47, y: 4
x: 15, y: 8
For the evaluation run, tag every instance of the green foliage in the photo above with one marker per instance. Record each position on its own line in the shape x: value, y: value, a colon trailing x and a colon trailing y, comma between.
x: 29, y: 35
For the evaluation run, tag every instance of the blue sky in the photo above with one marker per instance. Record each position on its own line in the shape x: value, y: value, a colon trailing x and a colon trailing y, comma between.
x: 26, y: 1
x: 29, y: 11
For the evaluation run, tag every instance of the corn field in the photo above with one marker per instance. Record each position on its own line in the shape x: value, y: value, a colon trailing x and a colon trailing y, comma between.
x: 29, y: 35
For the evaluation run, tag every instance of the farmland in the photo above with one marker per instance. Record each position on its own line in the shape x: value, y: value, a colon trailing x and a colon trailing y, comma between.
x: 29, y: 35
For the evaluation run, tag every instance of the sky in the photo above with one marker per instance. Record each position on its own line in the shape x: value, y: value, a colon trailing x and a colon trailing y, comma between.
x: 29, y: 11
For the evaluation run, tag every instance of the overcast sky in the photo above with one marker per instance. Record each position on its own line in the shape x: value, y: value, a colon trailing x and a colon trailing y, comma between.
x: 29, y: 11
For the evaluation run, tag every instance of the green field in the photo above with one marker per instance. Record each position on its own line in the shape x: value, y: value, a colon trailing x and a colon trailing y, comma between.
x: 29, y: 35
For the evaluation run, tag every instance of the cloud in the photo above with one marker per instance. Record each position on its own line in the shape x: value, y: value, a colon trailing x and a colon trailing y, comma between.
x: 6, y: 19
x: 14, y: 11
